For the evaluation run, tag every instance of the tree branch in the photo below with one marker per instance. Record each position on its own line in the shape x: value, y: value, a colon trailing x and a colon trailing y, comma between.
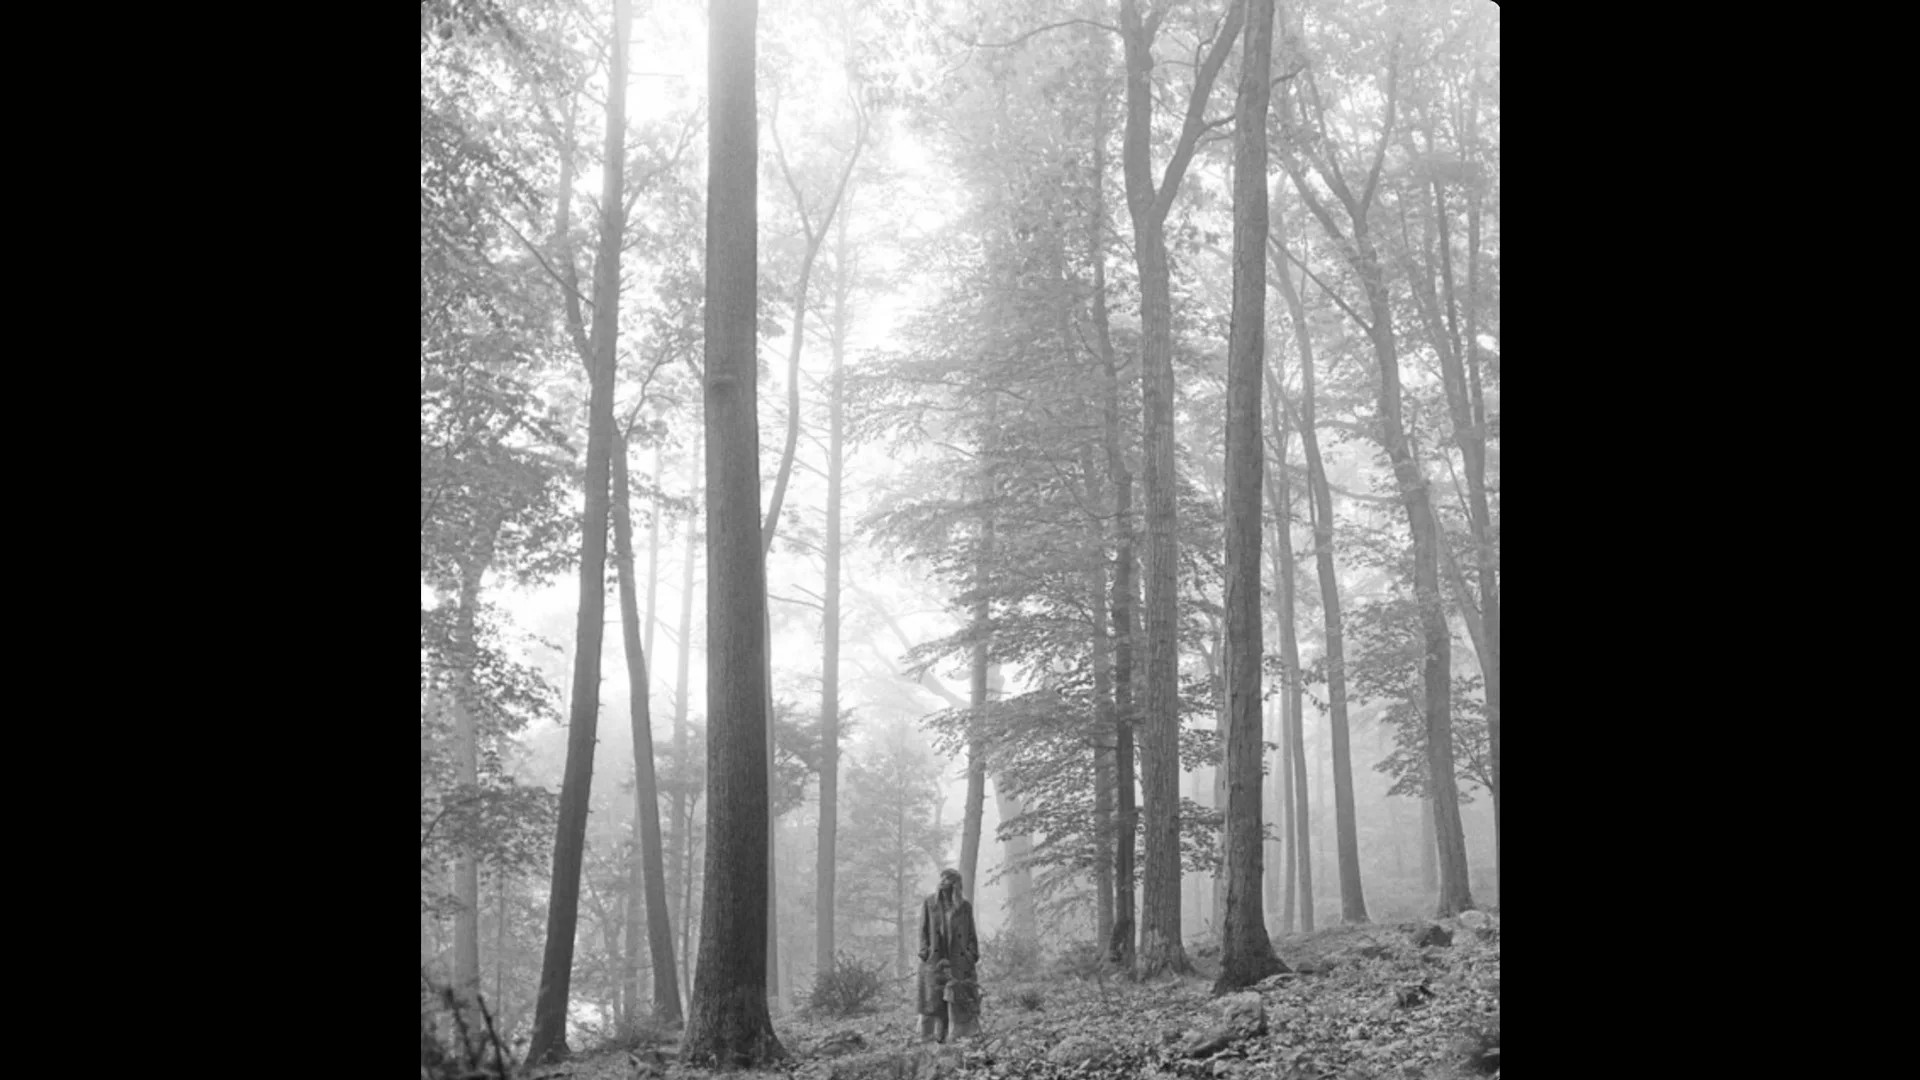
x: 976, y: 44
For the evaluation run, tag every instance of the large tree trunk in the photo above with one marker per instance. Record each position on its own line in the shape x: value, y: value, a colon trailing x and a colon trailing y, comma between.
x: 1246, y: 954
x: 1161, y: 949
x: 728, y: 1022
x: 1353, y: 905
x: 548, y: 1041
x: 648, y: 872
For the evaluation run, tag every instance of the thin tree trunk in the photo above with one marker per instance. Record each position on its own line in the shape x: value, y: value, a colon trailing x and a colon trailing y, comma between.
x: 1023, y: 919
x: 1216, y: 882
x: 648, y: 872
x: 825, y: 845
x: 975, y: 807
x: 1289, y: 831
x: 1320, y: 813
x: 981, y: 658
x: 728, y: 1022
x: 680, y: 854
x: 1353, y: 905
x: 1274, y: 855
x: 1300, y: 858
x: 466, y: 746
x: 1119, y: 940
x: 653, y: 561
x: 1103, y: 764
x: 1436, y: 664
x: 776, y: 986
x: 548, y: 1041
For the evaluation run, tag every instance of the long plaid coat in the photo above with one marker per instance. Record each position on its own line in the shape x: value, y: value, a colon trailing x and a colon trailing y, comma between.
x: 949, y: 950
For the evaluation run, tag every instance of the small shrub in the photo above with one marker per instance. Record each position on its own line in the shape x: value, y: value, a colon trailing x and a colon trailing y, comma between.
x: 847, y: 988
x: 1081, y: 960
x: 1029, y: 998
x: 1012, y: 957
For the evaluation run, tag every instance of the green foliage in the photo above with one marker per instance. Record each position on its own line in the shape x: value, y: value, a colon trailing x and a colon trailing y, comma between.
x: 847, y: 988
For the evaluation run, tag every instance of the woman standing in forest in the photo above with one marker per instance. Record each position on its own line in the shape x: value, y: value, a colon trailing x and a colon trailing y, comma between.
x: 949, y: 994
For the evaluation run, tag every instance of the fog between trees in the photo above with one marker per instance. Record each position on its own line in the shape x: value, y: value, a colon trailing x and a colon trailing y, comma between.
x: 972, y: 419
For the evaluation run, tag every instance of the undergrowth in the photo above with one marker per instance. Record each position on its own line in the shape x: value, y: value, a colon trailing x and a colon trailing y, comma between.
x: 847, y: 988
x: 458, y: 1040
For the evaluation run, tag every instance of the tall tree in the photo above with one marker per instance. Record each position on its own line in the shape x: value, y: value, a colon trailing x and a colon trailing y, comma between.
x: 1120, y: 939
x: 1356, y: 244
x: 548, y: 1041
x: 1246, y: 954
x: 815, y: 236
x: 728, y: 1022
x: 1160, y: 948
x: 979, y: 659
x: 825, y: 845
x: 1280, y: 494
x: 466, y: 870
x: 681, y: 855
x: 1353, y: 904
x: 651, y: 875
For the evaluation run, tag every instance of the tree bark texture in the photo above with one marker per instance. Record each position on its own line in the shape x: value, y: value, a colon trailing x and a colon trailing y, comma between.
x: 1246, y: 954
x: 1161, y: 949
x: 729, y: 1024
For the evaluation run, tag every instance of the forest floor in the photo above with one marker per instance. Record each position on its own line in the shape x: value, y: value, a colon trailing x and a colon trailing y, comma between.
x: 1367, y: 1002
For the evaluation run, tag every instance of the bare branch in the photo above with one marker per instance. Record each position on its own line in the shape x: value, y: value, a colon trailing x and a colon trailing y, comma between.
x: 976, y: 44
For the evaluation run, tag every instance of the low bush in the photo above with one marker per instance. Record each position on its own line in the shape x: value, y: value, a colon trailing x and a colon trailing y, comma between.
x: 1012, y: 957
x: 1080, y: 960
x: 847, y: 988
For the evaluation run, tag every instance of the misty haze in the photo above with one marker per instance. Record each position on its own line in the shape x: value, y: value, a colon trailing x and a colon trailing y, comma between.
x: 960, y: 538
